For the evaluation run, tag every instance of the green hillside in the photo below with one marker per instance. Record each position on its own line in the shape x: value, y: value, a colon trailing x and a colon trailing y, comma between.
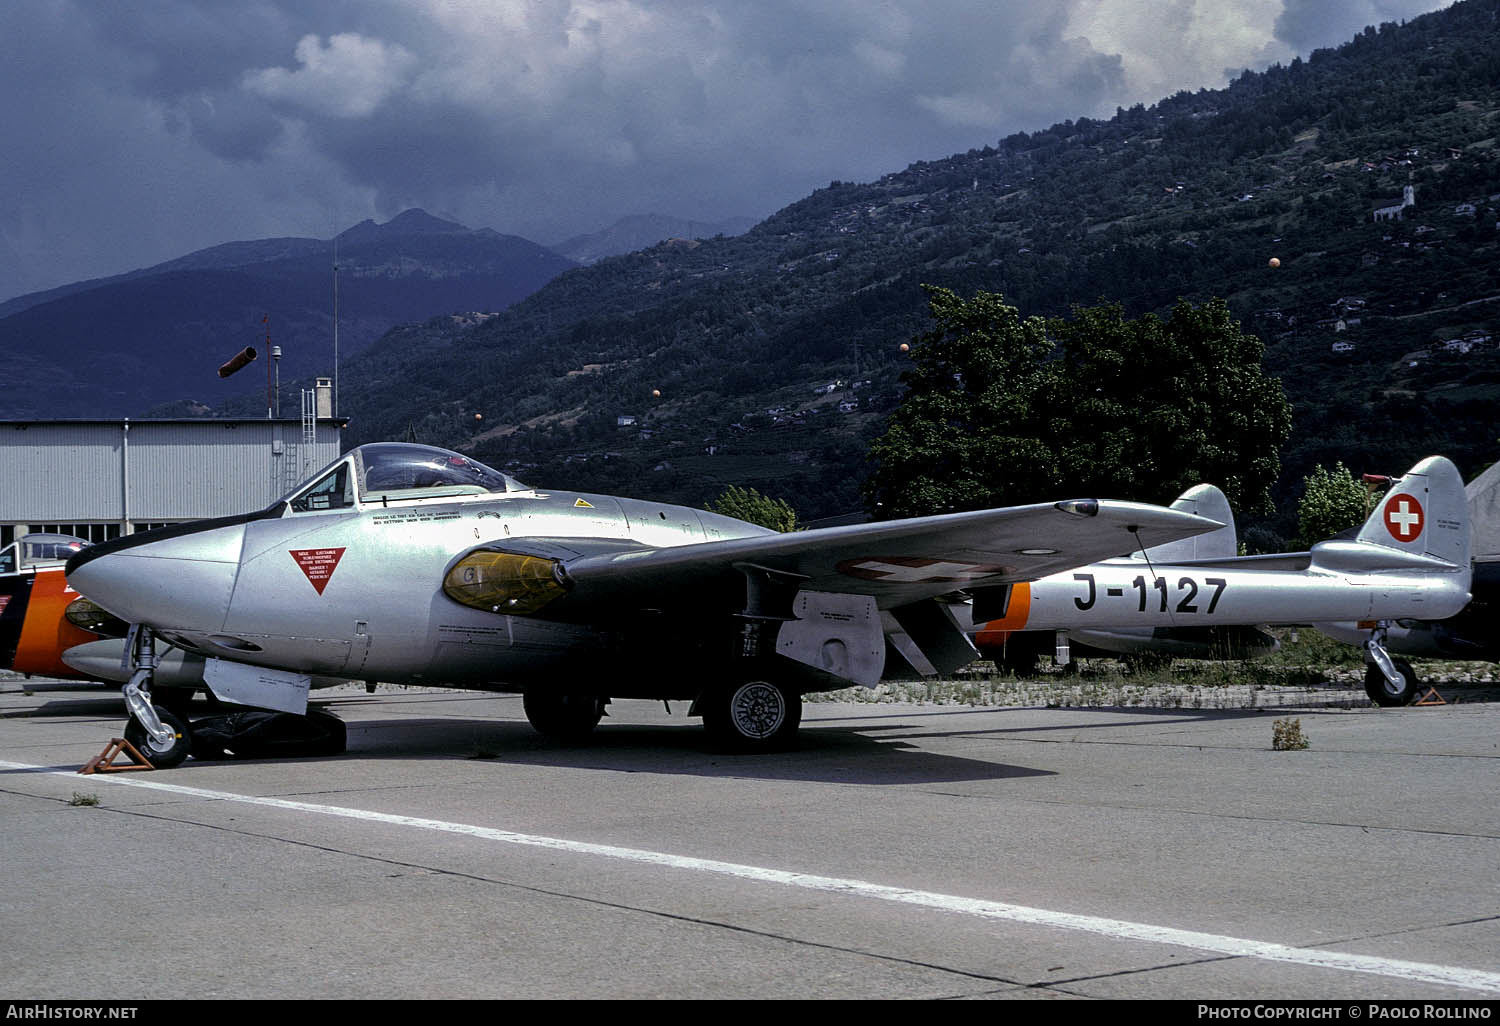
x: 1189, y: 198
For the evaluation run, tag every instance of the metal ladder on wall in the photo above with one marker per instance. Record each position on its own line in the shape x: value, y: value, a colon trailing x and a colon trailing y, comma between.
x: 297, y: 457
x: 309, y: 446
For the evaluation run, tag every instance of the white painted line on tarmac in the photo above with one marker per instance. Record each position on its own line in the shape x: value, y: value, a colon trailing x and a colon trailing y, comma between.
x: 1119, y: 929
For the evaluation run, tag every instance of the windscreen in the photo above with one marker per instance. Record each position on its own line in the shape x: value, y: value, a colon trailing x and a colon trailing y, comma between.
x: 401, y: 470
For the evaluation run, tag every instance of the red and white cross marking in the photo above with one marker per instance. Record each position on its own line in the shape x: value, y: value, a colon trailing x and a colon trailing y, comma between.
x: 916, y: 569
x: 1403, y: 517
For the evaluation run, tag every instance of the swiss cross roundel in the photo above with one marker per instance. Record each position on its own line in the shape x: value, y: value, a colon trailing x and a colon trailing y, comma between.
x: 1403, y: 517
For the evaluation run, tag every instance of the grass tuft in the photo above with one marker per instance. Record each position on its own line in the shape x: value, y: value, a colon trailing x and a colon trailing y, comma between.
x: 1287, y: 736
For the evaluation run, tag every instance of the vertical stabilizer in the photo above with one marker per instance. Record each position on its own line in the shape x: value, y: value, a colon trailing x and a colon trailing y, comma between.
x: 1425, y: 513
x: 1205, y: 500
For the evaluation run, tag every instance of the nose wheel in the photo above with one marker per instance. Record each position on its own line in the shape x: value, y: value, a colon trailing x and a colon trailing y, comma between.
x: 163, y: 753
x: 161, y: 736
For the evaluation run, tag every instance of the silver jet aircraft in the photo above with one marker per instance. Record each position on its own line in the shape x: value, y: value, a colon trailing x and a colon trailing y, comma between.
x: 1410, y: 560
x: 413, y: 565
x: 1469, y: 635
x: 1022, y: 649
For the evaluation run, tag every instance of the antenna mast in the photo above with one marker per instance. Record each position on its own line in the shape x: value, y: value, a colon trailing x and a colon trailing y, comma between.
x: 335, y: 322
x: 270, y: 395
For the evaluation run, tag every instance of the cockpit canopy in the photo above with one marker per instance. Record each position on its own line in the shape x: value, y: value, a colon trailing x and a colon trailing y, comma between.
x: 31, y: 550
x: 386, y: 472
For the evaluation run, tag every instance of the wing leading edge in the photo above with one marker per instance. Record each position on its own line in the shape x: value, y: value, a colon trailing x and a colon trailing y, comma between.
x: 895, y: 562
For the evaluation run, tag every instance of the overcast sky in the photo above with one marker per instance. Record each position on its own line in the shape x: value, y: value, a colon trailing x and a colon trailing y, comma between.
x: 137, y: 132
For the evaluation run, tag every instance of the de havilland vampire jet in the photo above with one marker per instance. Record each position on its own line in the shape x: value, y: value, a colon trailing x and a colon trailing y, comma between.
x: 1409, y: 561
x: 408, y: 564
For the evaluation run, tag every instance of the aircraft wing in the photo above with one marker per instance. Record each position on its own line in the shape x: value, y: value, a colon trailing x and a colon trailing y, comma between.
x: 896, y: 562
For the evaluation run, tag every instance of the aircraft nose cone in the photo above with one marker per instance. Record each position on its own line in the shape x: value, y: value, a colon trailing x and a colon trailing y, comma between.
x: 178, y: 577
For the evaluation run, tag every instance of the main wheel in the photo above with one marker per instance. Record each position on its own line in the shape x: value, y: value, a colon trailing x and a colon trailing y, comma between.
x: 162, y: 756
x: 752, y: 716
x: 561, y: 716
x: 1382, y: 692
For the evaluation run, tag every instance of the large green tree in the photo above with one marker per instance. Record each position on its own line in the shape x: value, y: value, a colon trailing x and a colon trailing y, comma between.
x: 1002, y: 410
x: 1332, y: 501
x: 970, y: 426
x: 749, y: 505
x: 1155, y: 406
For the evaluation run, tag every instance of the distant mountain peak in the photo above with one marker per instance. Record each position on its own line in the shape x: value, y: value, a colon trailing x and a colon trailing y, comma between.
x: 415, y: 221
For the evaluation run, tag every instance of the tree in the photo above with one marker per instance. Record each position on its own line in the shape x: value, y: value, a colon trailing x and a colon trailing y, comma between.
x: 1002, y: 411
x: 1332, y: 501
x: 1156, y: 406
x: 749, y: 505
x: 968, y: 431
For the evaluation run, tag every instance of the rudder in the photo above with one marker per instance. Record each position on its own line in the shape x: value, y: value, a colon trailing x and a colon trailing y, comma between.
x: 1426, y: 513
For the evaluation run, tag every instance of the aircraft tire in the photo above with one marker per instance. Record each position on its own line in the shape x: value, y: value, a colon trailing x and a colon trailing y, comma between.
x: 1018, y: 663
x: 161, y: 756
x: 337, y: 740
x: 1380, y: 691
x: 753, y: 716
x: 561, y: 716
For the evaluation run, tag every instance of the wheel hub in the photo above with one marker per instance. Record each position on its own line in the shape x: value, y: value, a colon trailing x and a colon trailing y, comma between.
x: 758, y: 710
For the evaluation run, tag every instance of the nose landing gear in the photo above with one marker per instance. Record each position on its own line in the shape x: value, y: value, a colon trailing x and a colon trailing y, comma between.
x: 157, y: 734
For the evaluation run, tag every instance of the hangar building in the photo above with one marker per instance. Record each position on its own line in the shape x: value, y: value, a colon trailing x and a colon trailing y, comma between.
x: 99, y: 479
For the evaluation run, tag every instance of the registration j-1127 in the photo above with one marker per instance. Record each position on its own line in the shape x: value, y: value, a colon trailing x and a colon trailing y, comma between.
x: 1156, y: 594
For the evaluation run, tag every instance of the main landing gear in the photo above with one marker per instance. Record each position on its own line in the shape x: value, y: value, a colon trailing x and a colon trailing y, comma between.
x: 1388, y: 682
x: 561, y: 716
x: 751, y: 715
x: 159, y: 735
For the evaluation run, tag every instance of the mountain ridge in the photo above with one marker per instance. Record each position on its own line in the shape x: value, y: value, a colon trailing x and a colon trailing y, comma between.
x: 154, y: 337
x: 1191, y: 197
x: 642, y: 231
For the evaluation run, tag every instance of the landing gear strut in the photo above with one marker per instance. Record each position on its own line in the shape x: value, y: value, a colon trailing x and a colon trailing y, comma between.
x: 1388, y: 681
x: 156, y: 733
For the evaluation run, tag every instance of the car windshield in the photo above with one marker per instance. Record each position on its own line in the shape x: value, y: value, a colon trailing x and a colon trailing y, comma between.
x: 38, y: 549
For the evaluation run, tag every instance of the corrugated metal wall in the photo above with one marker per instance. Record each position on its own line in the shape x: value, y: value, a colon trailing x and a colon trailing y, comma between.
x: 177, y: 469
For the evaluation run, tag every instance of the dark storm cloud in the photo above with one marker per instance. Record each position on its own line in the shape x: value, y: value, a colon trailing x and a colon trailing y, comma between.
x: 1306, y: 25
x: 140, y: 133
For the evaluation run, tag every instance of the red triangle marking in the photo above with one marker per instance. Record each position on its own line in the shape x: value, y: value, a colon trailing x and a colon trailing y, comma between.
x: 318, y: 564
